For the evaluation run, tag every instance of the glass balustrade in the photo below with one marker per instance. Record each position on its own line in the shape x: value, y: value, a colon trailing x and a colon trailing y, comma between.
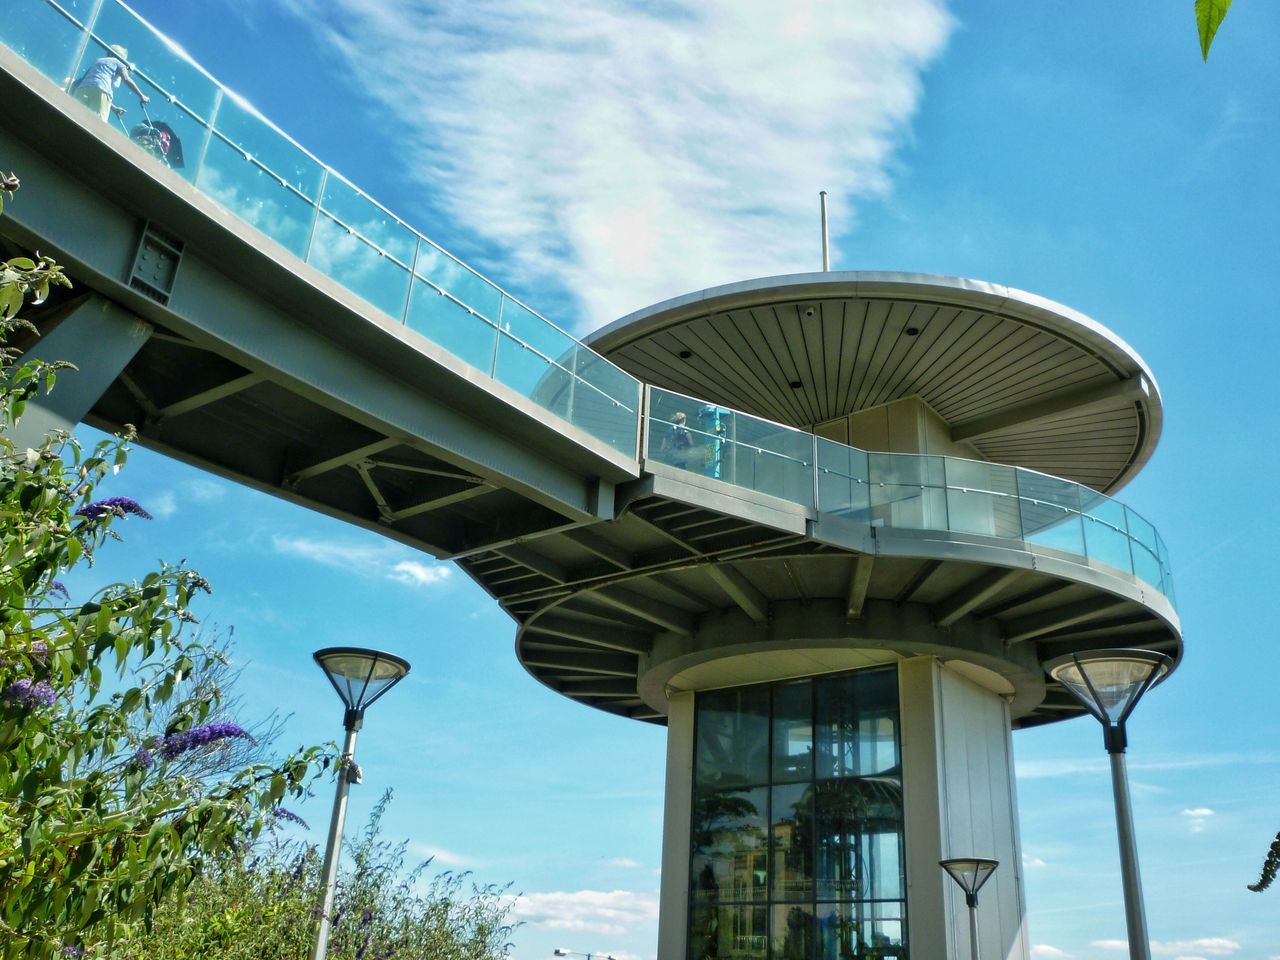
x: 904, y: 491
x: 235, y: 156
x: 211, y: 137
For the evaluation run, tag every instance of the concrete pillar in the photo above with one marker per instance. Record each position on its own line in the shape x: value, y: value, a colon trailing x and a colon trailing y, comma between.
x: 677, y: 819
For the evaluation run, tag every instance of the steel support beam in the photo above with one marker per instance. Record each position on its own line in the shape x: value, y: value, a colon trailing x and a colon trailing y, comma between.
x: 741, y: 591
x: 1067, y: 615
x: 654, y: 611
x: 859, y: 581
x: 205, y: 397
x: 100, y: 338
x: 1075, y: 401
x: 972, y: 595
x: 595, y: 634
x: 604, y: 664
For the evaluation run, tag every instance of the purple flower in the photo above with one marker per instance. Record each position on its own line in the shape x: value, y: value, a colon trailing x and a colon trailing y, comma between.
x: 73, y: 952
x: 55, y: 586
x: 280, y: 813
x: 24, y: 693
x: 176, y: 744
x: 112, y: 506
x: 144, y: 758
x: 38, y: 651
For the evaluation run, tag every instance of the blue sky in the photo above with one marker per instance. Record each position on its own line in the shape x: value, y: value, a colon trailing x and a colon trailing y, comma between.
x: 597, y: 157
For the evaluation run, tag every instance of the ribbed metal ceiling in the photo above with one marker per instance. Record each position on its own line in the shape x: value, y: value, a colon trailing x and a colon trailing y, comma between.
x: 1024, y: 381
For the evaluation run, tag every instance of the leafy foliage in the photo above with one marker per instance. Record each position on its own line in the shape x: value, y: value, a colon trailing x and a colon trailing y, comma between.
x: 98, y: 823
x: 260, y: 903
x: 1269, y: 867
x: 1209, y: 16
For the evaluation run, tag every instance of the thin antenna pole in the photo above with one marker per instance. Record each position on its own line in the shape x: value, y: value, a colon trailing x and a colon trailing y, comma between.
x: 826, y: 239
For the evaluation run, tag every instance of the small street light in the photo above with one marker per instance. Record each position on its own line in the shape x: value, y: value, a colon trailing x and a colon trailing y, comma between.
x: 970, y: 873
x: 360, y: 677
x: 1110, y: 683
x: 573, y: 953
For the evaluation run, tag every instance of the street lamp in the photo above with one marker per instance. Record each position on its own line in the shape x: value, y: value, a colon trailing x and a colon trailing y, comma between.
x: 573, y: 953
x: 360, y: 677
x: 971, y: 873
x: 1110, y: 683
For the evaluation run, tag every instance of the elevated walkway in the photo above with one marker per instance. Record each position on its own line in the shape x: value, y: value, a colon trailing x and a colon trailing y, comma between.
x: 255, y: 314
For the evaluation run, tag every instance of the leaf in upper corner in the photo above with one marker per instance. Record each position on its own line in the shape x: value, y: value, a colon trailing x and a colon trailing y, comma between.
x: 1209, y: 16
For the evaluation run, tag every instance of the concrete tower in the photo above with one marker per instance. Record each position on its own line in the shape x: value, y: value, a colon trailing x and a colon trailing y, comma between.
x: 873, y: 505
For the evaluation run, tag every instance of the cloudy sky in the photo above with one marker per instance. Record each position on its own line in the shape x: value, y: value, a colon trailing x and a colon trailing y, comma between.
x: 595, y: 157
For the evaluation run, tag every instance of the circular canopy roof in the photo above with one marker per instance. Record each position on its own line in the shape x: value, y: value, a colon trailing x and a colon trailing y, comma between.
x: 1023, y: 380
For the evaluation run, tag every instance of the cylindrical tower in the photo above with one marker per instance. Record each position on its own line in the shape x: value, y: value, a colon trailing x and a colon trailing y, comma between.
x: 872, y: 506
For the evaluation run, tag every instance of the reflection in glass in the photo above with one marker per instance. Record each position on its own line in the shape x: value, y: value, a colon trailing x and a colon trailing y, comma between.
x: 737, y: 932
x: 452, y: 326
x: 733, y: 737
x: 45, y: 39
x: 795, y: 931
x: 729, y: 857
x: 793, y: 732
x: 805, y: 831
x: 348, y: 258
x: 791, y: 842
x: 255, y: 196
x: 156, y: 61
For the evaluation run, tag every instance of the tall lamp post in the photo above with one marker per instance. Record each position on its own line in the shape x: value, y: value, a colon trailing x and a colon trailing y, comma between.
x: 971, y: 873
x: 360, y: 677
x: 1110, y: 683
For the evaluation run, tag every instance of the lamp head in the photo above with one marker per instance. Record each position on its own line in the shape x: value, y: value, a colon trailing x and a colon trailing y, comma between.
x: 970, y: 873
x: 360, y: 676
x: 1109, y: 683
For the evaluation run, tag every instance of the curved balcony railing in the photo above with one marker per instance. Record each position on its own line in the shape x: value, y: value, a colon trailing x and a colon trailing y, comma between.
x: 254, y: 170
x: 904, y: 491
x: 236, y: 157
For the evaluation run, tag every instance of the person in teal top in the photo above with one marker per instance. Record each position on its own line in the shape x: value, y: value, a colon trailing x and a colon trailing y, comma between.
x: 96, y: 88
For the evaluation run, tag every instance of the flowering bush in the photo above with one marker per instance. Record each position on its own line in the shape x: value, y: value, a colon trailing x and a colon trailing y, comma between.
x: 98, y: 824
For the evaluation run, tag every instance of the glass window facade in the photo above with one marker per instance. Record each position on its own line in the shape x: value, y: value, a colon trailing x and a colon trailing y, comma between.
x: 796, y: 849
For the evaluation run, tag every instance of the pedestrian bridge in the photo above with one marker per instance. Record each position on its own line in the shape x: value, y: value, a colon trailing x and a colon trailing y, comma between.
x: 255, y: 313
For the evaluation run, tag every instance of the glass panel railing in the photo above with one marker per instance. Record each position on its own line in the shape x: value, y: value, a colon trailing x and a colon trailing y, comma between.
x: 908, y: 491
x: 904, y: 491
x: 348, y: 257
x: 843, y: 481
x: 235, y: 156
x: 740, y: 449
x: 46, y: 38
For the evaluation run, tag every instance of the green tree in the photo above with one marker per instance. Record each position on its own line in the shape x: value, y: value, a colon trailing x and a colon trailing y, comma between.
x: 98, y: 822
x: 1209, y: 16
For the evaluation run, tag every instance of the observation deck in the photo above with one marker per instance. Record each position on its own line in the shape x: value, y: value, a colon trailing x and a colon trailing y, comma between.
x: 851, y: 492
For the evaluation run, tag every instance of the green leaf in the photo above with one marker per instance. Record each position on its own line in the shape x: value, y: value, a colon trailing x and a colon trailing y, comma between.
x: 1209, y: 16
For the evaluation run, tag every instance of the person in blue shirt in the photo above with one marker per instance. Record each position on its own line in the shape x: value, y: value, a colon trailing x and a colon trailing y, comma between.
x: 97, y: 87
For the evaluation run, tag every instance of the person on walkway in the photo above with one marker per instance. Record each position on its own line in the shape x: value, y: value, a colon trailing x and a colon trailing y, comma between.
x: 677, y: 445
x: 97, y: 87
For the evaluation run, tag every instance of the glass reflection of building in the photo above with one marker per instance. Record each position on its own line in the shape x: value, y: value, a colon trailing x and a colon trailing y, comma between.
x: 797, y: 839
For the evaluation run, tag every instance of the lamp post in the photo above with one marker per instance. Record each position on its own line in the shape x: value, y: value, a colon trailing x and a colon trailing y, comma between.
x: 970, y: 873
x: 360, y: 677
x: 1110, y: 683
x: 573, y: 953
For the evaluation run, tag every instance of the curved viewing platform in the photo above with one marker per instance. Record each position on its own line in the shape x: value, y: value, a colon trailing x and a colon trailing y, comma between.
x: 217, y: 142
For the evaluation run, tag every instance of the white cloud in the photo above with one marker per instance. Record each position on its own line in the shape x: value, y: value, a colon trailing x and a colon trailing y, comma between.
x: 1198, y: 949
x: 611, y: 912
x: 1197, y: 818
x: 1032, y: 863
x: 624, y: 862
x: 202, y: 490
x: 1051, y: 953
x: 635, y: 152
x: 365, y: 560
x: 163, y: 504
x: 441, y: 856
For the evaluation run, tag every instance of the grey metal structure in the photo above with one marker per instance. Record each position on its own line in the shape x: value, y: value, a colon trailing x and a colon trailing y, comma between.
x: 903, y: 469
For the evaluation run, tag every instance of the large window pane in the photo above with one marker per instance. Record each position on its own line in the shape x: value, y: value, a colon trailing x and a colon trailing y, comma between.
x: 1050, y: 512
x: 269, y: 148
x: 733, y: 737
x: 857, y: 723
x: 858, y: 825
x: 729, y: 932
x: 907, y: 491
x: 459, y: 281
x: 861, y: 931
x: 795, y: 931
x: 793, y: 732
x: 791, y: 842
x: 842, y: 480
x: 730, y: 855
